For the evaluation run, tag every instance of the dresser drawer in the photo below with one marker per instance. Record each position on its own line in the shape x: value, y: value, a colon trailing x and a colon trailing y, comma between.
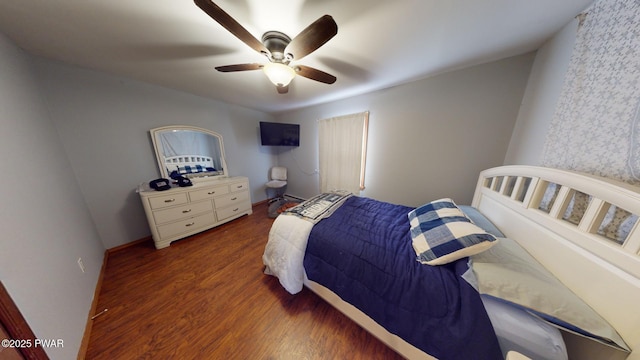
x: 181, y: 212
x: 208, y: 193
x: 232, y: 210
x: 159, y: 202
x: 203, y: 221
x: 239, y: 186
x: 231, y: 199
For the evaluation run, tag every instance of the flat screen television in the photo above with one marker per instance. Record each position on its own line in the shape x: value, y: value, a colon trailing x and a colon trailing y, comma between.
x: 278, y: 134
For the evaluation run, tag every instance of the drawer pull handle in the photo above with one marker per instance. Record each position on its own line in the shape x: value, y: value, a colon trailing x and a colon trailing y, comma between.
x: 211, y: 192
x: 234, y: 198
x: 236, y: 209
x: 170, y: 200
x: 190, y: 224
x: 240, y: 186
x: 186, y: 211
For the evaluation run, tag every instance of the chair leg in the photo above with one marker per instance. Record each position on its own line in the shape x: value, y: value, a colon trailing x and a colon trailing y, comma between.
x: 278, y: 194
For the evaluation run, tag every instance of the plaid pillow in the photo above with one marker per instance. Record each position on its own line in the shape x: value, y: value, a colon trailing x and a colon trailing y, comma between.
x: 191, y: 169
x: 434, y: 210
x: 439, y: 240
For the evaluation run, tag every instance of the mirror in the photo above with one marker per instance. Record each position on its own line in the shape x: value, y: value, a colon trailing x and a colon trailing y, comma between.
x: 189, y: 151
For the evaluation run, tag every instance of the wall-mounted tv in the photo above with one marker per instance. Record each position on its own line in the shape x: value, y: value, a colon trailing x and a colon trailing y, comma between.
x: 278, y: 134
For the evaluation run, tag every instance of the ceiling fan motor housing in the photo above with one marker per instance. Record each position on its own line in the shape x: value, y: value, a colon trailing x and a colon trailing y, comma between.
x: 276, y: 42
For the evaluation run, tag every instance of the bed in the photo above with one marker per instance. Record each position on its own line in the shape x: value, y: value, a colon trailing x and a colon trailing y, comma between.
x: 189, y: 165
x: 576, y: 232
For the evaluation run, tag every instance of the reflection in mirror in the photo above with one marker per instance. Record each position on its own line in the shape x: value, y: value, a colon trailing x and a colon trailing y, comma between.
x: 189, y: 151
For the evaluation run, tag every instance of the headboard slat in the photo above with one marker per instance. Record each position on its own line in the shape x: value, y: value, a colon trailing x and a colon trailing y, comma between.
x: 632, y: 245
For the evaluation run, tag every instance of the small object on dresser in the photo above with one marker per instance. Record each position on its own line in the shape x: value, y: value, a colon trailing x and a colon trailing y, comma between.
x: 160, y: 184
x: 183, y: 181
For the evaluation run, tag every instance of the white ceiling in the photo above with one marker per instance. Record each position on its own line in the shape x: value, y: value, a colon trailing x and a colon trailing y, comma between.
x: 380, y: 43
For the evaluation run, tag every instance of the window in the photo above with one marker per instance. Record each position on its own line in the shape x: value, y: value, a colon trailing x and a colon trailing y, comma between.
x: 343, y: 149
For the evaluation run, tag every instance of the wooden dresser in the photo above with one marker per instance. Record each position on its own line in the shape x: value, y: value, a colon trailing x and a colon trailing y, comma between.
x: 183, y: 211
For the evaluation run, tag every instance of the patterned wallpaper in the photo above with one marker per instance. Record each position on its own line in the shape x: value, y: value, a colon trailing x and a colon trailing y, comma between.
x: 596, y: 125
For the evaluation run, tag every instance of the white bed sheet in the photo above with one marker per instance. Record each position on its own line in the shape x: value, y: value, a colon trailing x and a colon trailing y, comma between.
x: 284, y: 254
x: 519, y: 331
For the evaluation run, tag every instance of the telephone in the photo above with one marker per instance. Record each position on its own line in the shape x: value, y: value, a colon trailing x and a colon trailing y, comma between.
x: 160, y: 184
x: 183, y: 181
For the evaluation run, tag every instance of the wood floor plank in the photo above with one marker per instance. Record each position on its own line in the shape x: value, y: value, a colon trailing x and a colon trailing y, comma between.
x: 206, y: 297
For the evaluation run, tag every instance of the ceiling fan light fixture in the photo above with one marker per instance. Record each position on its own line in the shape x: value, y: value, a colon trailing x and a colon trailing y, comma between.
x: 279, y: 74
x: 278, y: 47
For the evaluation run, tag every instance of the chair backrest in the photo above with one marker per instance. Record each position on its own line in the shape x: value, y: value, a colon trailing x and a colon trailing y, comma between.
x: 278, y: 173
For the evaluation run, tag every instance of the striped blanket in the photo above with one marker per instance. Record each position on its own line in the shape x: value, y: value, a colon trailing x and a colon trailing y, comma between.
x: 318, y: 207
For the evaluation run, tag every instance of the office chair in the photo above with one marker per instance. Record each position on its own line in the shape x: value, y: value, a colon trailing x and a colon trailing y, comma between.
x: 277, y: 184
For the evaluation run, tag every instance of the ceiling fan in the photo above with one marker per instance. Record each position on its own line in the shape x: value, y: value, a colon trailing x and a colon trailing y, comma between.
x: 279, y: 48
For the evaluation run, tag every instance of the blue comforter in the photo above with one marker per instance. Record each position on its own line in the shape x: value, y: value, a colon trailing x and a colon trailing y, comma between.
x: 363, y: 253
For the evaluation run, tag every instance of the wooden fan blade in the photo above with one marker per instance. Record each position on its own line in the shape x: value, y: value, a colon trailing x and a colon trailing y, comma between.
x: 314, y: 74
x: 311, y: 38
x: 282, y: 89
x: 239, y: 67
x: 231, y: 25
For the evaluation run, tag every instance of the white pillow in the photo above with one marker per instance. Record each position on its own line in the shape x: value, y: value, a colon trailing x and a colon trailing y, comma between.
x: 509, y: 272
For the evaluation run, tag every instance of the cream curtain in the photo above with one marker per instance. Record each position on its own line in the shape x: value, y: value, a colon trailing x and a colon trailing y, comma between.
x: 342, y: 142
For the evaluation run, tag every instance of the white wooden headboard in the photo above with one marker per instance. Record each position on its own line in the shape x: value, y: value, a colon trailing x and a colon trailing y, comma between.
x: 596, y: 257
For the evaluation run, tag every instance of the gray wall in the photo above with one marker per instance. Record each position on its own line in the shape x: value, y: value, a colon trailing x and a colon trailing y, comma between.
x: 427, y: 139
x: 542, y: 93
x: 104, y: 124
x: 45, y: 222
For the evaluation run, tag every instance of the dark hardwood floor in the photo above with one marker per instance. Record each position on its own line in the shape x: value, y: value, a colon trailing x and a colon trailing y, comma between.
x: 206, y: 297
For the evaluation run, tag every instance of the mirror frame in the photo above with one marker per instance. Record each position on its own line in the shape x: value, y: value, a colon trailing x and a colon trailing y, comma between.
x: 194, y: 177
